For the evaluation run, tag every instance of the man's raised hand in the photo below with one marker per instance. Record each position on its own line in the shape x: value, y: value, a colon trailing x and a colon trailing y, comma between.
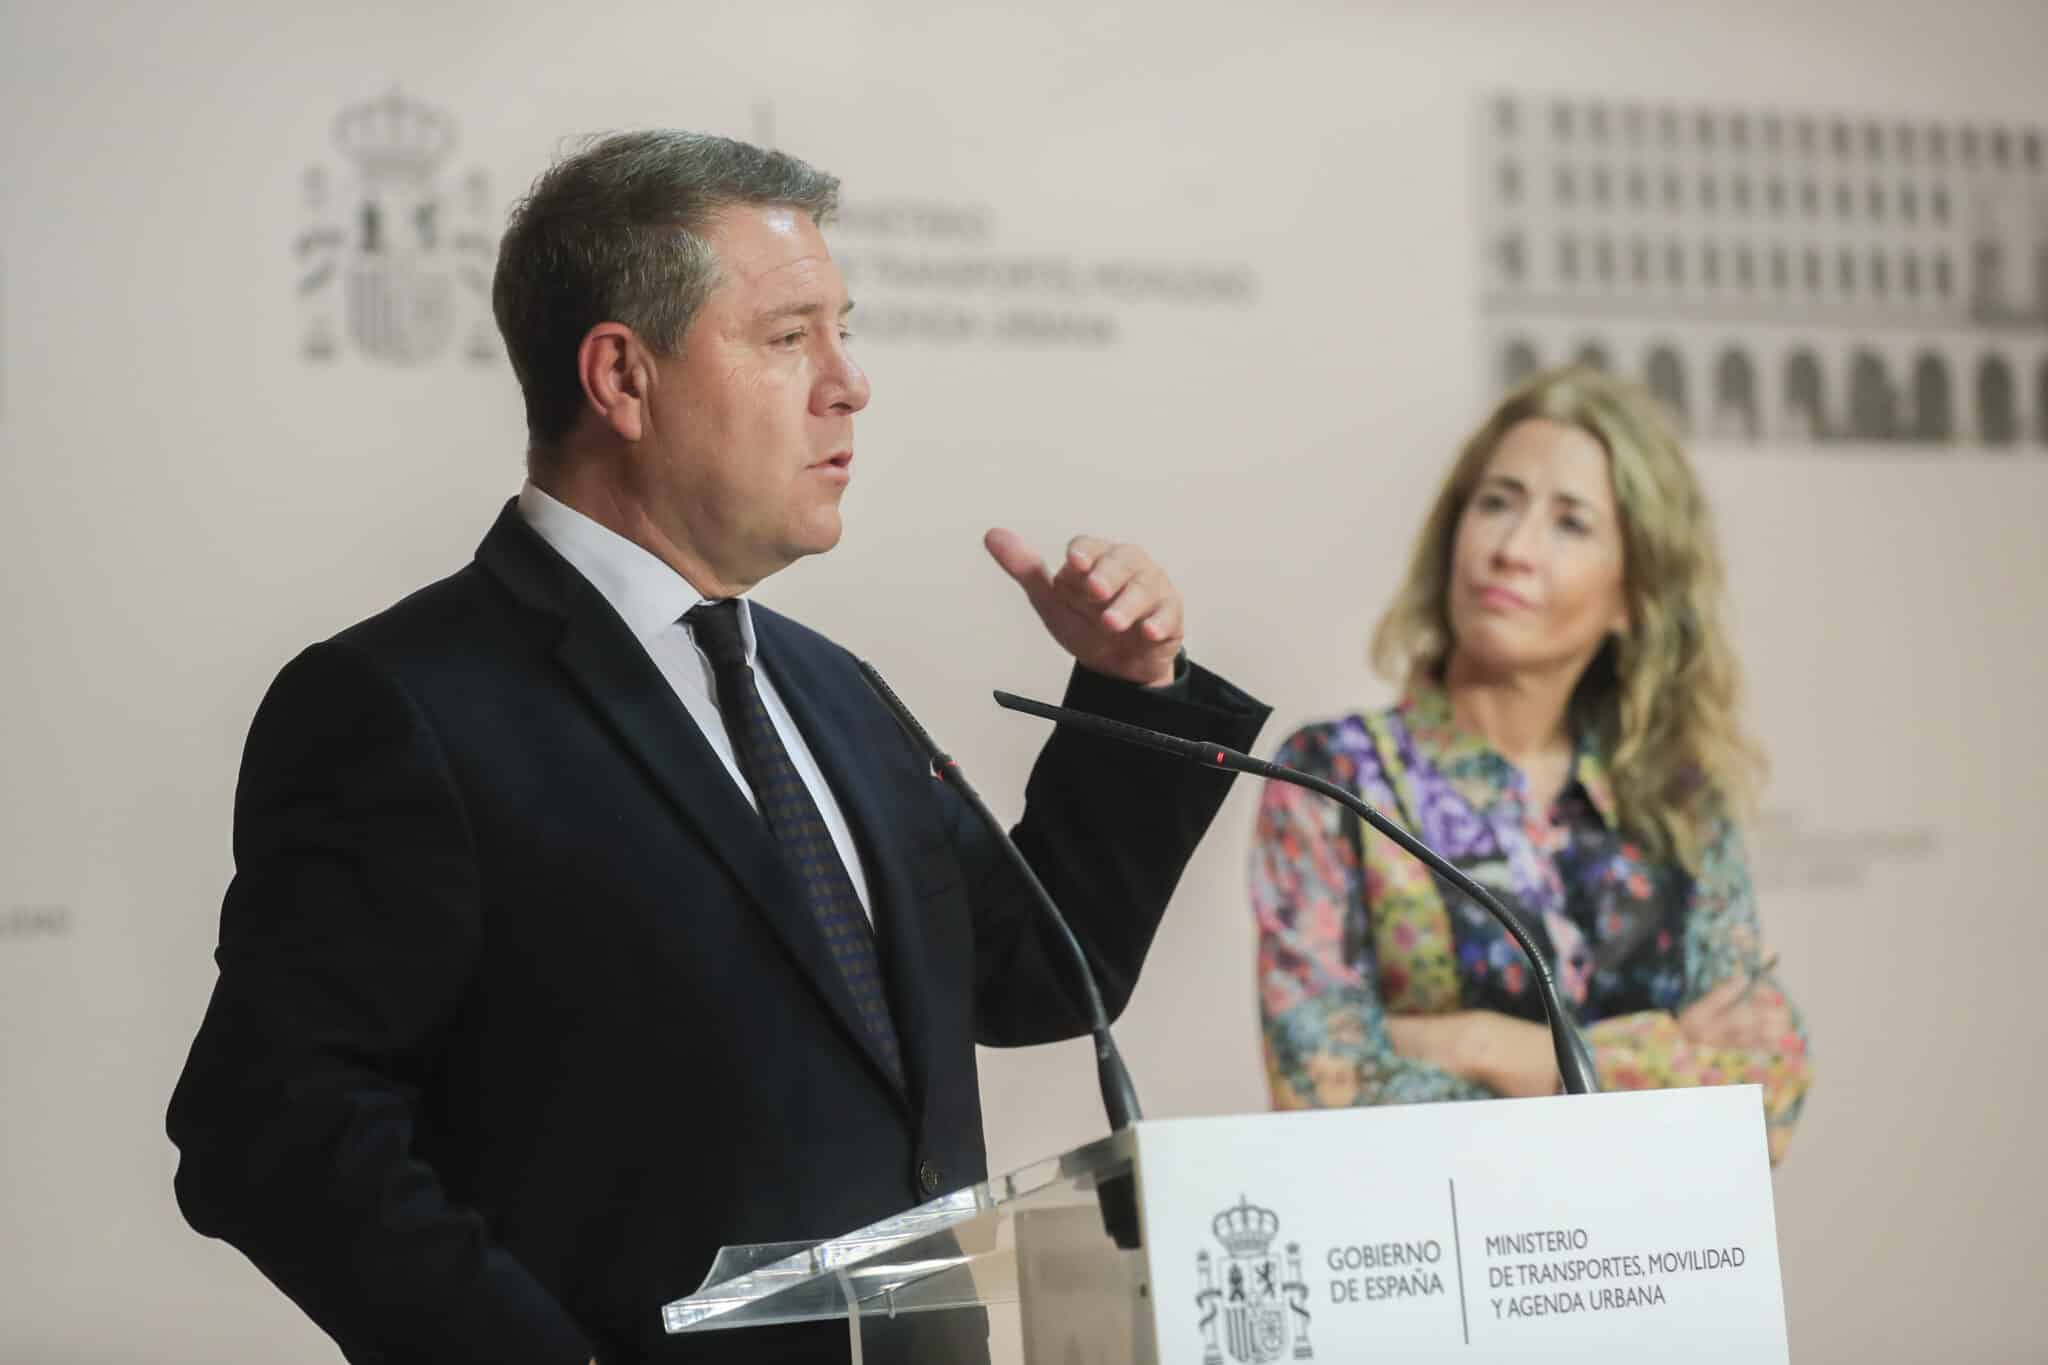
x: 1109, y: 605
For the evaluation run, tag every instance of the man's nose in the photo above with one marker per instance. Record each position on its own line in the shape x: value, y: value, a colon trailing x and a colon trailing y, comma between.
x: 843, y: 387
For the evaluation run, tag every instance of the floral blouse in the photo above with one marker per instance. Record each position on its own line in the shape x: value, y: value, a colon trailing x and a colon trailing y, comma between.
x: 1351, y: 928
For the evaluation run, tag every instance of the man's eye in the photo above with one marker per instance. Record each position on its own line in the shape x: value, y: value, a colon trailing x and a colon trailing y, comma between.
x: 790, y: 338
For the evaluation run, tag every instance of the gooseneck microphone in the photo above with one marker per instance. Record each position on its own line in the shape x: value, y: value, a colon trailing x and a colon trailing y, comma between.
x: 1119, y: 1097
x: 1574, y: 1061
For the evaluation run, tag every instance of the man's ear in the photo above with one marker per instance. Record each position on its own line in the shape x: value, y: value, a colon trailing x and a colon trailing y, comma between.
x: 617, y: 373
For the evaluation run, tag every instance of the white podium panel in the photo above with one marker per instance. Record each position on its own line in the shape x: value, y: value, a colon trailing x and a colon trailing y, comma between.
x: 1594, y: 1228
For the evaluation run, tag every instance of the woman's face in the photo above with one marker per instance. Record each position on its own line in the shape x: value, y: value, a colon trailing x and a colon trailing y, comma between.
x: 1536, y: 569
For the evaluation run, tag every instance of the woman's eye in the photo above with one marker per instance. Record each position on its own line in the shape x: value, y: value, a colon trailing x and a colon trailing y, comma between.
x: 1574, y: 526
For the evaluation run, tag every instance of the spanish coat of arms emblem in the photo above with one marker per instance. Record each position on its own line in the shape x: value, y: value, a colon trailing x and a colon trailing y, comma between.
x: 1254, y: 1294
x: 389, y: 257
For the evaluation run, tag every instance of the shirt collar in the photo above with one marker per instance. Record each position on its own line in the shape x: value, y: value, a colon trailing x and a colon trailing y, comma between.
x: 648, y: 595
x: 1458, y: 753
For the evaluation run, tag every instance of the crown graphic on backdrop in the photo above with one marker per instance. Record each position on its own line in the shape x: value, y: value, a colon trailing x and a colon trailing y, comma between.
x: 1246, y: 1229
x: 389, y: 258
x: 393, y: 136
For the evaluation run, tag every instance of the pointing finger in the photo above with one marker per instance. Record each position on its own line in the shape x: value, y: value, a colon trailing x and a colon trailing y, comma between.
x: 1019, y: 561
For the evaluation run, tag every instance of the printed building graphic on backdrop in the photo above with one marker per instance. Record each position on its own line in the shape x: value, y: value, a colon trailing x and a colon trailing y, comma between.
x: 392, y: 264
x: 1773, y: 276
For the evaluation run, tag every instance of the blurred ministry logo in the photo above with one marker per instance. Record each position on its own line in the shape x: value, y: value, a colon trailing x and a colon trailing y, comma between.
x: 392, y: 261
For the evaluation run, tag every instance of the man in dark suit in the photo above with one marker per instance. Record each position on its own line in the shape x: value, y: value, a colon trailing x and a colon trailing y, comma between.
x: 587, y: 917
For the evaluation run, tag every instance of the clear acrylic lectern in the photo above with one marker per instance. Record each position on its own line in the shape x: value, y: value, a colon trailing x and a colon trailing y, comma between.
x: 1035, y: 1237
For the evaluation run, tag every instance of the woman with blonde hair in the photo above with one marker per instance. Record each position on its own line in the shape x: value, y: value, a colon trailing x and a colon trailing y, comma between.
x: 1568, y: 736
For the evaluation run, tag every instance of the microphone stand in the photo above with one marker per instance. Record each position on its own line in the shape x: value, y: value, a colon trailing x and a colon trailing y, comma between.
x: 1118, y: 1194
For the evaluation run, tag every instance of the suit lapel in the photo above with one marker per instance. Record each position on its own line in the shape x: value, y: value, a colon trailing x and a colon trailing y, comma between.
x: 831, y: 705
x: 623, y: 686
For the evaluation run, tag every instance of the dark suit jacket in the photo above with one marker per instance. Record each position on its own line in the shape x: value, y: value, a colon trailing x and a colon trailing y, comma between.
x: 519, y: 1017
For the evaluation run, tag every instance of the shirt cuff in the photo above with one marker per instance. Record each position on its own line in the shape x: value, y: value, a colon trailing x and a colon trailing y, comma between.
x: 1176, y: 690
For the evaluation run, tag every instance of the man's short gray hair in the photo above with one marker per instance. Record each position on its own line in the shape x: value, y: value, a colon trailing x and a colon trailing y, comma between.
x: 614, y: 232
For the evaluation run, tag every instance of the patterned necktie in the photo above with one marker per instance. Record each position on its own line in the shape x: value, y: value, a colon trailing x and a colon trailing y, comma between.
x: 793, y: 818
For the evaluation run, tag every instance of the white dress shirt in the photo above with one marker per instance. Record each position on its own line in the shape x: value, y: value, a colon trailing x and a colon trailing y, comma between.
x: 651, y: 598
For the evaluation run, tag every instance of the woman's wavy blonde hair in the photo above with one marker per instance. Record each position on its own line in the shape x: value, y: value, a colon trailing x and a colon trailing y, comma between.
x: 1661, y: 701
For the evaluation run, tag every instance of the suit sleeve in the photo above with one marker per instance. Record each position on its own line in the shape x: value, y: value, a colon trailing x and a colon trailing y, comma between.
x: 1108, y: 828
x: 346, y: 940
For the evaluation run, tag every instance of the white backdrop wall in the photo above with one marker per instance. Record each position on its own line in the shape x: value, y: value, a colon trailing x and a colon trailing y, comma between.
x: 190, y: 498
